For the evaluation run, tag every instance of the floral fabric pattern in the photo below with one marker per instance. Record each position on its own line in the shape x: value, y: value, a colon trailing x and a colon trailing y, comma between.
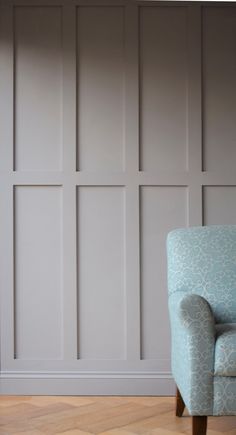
x: 202, y: 299
x: 224, y: 396
x: 225, y: 350
x: 193, y: 342
x: 202, y: 260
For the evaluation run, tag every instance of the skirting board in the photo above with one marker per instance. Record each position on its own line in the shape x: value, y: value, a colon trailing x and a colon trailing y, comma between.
x: 31, y: 383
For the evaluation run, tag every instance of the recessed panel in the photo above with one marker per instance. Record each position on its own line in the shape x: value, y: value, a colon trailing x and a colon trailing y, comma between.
x: 38, y: 88
x: 219, y: 205
x: 219, y: 88
x: 163, y: 88
x: 162, y: 209
x: 101, y: 316
x: 100, y: 81
x: 38, y: 272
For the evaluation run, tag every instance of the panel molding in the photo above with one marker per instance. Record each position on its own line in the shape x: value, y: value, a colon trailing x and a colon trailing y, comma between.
x: 132, y: 257
x: 83, y: 178
x: 69, y: 189
x: 194, y: 57
x: 47, y: 374
x: 6, y: 89
x: 69, y: 89
x: 7, y: 279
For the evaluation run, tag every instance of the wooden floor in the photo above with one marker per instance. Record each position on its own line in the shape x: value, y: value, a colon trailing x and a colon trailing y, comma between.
x: 37, y: 415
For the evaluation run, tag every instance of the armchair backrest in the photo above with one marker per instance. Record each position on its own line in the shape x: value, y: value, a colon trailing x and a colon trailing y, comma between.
x: 202, y: 260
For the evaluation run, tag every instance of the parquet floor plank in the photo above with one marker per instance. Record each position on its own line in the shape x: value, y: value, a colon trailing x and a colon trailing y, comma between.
x: 75, y: 432
x: 93, y: 415
x: 69, y: 420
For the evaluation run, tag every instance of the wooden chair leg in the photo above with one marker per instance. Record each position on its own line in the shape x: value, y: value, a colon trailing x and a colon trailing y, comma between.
x: 180, y: 405
x: 199, y: 425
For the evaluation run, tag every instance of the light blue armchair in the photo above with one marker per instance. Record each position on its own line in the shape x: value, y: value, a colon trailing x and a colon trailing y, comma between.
x: 202, y: 306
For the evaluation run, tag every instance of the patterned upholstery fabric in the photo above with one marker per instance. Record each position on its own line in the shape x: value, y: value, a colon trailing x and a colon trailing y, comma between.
x: 224, y: 396
x: 202, y: 293
x: 202, y: 260
x: 225, y: 350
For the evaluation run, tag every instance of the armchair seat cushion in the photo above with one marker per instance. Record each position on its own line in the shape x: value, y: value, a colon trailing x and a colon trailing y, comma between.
x: 225, y: 350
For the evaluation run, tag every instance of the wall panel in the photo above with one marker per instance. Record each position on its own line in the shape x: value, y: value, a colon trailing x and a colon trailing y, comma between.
x: 219, y: 90
x: 38, y: 272
x: 219, y: 204
x: 162, y: 209
x: 101, y: 309
x: 38, y: 88
x: 163, y: 88
x: 100, y: 81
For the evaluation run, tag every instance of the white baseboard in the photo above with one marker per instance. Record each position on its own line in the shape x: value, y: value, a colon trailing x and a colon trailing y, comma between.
x: 87, y: 383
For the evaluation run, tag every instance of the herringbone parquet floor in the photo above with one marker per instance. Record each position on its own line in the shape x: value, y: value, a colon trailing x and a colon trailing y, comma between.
x: 38, y: 415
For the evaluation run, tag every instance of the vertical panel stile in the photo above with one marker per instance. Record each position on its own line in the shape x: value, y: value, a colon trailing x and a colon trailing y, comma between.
x: 132, y: 188
x: 7, y: 275
x: 6, y: 190
x: 194, y: 114
x: 6, y: 89
x: 69, y: 189
x: 69, y: 87
x: 132, y: 88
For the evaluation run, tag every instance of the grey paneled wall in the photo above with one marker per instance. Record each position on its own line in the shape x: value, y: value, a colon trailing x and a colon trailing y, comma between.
x: 117, y: 124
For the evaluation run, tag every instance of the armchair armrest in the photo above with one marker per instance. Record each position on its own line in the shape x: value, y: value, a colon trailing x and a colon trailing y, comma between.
x: 193, y: 342
x: 196, y: 315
